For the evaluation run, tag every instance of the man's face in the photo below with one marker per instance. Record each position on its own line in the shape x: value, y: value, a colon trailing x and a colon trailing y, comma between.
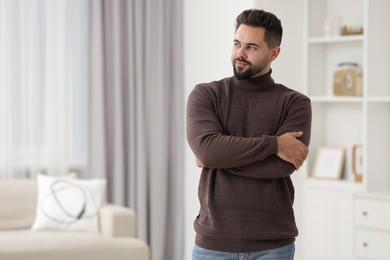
x: 251, y: 56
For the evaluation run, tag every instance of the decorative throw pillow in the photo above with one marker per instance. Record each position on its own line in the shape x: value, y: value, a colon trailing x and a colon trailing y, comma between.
x: 68, y: 204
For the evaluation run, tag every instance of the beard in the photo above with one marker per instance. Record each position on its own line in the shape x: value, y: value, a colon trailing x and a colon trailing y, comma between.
x: 247, y: 73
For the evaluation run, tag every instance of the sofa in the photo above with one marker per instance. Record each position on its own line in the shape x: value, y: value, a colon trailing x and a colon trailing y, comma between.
x: 115, y: 239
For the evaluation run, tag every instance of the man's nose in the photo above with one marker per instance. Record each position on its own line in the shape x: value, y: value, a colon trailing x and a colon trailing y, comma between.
x: 241, y: 53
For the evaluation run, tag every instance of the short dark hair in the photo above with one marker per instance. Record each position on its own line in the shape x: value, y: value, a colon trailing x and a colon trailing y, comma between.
x: 260, y: 18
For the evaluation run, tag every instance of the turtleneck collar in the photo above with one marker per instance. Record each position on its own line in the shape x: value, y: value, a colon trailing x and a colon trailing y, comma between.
x: 261, y: 83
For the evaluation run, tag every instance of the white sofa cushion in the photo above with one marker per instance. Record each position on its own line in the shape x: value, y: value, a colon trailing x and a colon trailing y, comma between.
x: 54, y: 245
x: 68, y: 204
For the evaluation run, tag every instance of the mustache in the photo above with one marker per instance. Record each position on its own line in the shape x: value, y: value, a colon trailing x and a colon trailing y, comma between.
x: 243, y: 60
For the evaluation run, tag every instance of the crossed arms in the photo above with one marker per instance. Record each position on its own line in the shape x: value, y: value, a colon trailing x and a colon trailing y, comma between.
x: 290, y: 149
x: 266, y: 156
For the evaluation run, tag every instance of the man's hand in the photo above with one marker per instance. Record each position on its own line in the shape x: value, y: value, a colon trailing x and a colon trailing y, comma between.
x: 198, y: 163
x: 291, y: 149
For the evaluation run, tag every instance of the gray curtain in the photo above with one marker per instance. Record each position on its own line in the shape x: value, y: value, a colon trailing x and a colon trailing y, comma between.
x: 136, y: 111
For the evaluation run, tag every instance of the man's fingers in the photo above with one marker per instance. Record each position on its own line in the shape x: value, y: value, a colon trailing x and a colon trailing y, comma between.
x: 296, y: 134
x: 300, y: 158
x: 291, y: 149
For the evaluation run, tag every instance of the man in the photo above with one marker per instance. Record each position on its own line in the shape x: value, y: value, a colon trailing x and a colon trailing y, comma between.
x: 249, y: 134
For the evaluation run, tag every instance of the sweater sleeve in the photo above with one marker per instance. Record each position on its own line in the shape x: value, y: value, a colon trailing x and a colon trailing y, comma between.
x: 298, y: 118
x: 214, y: 148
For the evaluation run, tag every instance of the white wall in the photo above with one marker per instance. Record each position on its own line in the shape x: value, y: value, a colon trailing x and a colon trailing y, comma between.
x: 208, y: 37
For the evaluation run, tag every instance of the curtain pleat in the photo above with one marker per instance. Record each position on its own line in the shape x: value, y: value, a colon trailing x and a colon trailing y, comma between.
x: 137, y: 114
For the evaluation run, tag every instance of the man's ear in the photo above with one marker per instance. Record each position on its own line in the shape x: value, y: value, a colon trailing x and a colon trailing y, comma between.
x: 274, y: 53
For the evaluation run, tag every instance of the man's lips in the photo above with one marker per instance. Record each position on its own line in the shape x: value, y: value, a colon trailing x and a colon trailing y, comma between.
x: 240, y: 63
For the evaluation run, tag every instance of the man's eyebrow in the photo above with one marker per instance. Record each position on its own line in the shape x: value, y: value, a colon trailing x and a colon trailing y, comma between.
x: 247, y: 44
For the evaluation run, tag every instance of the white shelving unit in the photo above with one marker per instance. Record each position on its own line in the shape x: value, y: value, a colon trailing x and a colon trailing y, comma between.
x: 345, y: 121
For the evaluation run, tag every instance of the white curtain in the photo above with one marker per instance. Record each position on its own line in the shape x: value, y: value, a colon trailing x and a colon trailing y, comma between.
x: 43, y: 87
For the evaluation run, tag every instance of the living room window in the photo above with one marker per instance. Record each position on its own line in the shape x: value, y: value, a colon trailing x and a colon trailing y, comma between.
x: 43, y: 87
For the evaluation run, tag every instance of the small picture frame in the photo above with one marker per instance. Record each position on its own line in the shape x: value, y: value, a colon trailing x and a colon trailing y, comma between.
x: 329, y: 163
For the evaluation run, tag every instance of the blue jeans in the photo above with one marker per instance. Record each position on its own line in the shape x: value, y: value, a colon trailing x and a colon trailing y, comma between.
x: 281, y: 253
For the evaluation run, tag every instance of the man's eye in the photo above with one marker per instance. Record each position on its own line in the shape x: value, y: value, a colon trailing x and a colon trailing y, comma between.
x: 237, y: 44
x: 253, y: 48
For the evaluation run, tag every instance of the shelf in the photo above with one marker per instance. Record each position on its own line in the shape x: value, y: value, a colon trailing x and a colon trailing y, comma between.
x: 379, y: 99
x: 349, y: 99
x: 336, y: 39
x: 342, y: 185
x: 334, y: 99
x: 375, y: 194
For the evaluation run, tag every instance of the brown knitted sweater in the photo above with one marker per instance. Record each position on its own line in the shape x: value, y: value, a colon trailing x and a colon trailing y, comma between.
x: 245, y: 191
